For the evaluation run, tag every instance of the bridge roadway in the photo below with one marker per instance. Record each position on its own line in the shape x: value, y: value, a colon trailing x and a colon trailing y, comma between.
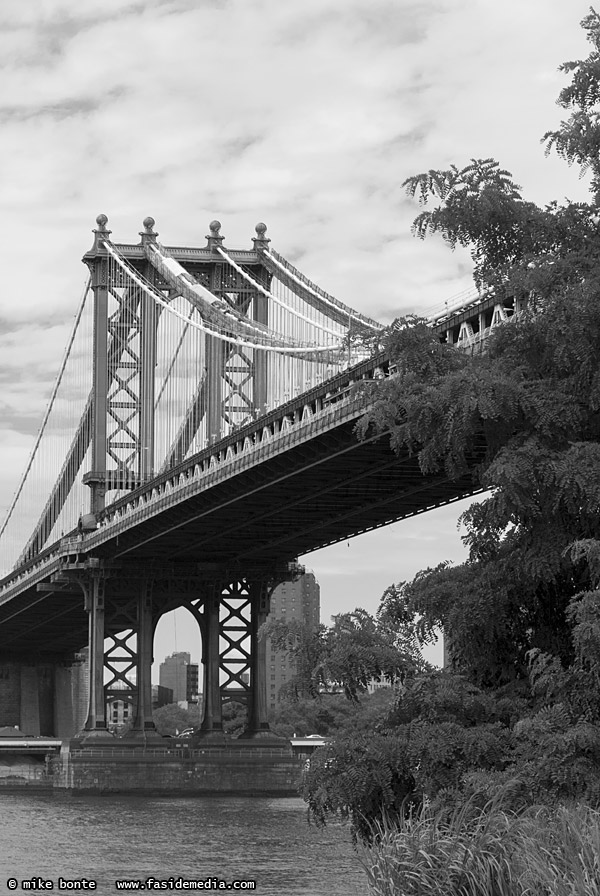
x: 295, y: 480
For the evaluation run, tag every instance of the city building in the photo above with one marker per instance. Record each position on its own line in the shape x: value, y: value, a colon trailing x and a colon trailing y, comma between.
x: 161, y: 696
x: 121, y: 704
x: 120, y: 714
x: 291, y: 600
x: 180, y: 675
x: 192, y: 683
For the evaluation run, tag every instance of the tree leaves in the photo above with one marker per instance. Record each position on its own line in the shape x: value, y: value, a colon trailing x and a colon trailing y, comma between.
x: 522, y: 616
x: 578, y: 138
x: 479, y: 206
x: 347, y: 656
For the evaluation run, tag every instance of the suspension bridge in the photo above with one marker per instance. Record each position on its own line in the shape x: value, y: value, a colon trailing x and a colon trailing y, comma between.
x: 199, y: 439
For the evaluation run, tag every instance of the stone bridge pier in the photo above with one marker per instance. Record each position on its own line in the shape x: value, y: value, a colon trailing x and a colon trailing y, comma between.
x: 67, y: 697
x: 43, y: 697
x: 124, y: 603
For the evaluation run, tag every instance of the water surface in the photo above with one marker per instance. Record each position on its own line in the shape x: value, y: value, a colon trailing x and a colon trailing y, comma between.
x: 107, y: 838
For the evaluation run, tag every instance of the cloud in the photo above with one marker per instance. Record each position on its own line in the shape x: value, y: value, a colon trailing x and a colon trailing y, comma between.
x: 306, y: 114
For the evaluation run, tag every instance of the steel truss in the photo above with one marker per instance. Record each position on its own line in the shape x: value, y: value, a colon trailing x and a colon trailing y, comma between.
x: 124, y: 604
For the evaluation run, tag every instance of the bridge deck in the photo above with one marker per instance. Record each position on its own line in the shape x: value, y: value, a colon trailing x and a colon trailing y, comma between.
x: 294, y: 481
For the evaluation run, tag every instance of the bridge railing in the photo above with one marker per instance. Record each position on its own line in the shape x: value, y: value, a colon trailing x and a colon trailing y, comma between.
x: 296, y: 419
x: 171, y: 752
x: 45, y: 560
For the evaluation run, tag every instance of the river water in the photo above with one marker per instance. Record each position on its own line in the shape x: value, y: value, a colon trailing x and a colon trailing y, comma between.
x: 110, y: 838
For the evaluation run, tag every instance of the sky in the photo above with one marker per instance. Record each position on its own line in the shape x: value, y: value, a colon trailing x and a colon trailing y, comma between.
x: 305, y: 114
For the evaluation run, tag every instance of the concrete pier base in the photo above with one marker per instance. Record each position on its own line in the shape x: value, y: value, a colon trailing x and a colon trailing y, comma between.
x: 234, y: 768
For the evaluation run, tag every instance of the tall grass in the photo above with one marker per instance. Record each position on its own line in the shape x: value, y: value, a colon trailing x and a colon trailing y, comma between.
x: 487, y: 851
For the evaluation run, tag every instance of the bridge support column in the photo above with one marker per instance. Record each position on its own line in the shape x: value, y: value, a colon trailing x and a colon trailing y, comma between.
x: 143, y: 725
x: 258, y: 724
x: 100, y: 286
x: 36, y: 697
x: 235, y: 654
x: 29, y: 721
x: 212, y: 722
x: 215, y: 365
x: 64, y: 720
x: 96, y: 721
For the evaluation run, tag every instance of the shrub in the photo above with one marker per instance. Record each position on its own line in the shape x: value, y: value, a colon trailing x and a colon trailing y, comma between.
x: 488, y: 851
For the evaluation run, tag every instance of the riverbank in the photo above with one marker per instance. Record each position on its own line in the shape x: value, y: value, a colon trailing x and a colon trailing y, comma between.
x: 543, y: 849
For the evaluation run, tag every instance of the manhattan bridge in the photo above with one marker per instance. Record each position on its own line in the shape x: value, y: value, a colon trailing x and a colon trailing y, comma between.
x: 199, y: 439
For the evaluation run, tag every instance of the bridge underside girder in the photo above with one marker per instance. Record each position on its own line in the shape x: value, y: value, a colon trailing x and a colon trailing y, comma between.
x: 43, y: 626
x: 313, y: 495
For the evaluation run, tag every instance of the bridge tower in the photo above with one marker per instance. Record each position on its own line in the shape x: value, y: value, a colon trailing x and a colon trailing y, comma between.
x: 231, y: 387
x: 124, y: 602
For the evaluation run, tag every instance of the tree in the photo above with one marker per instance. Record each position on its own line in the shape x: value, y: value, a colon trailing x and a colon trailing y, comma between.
x: 346, y: 656
x: 439, y: 729
x: 235, y: 716
x: 480, y: 207
x: 171, y: 719
x: 524, y: 417
x: 578, y: 138
x: 521, y: 709
x: 332, y: 714
x: 304, y: 646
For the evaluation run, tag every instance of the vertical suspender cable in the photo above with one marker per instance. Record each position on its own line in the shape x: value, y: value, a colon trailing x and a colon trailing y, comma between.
x: 49, y: 407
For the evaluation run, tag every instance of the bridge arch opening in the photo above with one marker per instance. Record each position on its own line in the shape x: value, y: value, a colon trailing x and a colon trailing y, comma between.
x: 178, y: 668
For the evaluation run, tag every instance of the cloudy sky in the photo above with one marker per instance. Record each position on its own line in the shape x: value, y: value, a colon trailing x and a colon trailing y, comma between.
x: 305, y: 114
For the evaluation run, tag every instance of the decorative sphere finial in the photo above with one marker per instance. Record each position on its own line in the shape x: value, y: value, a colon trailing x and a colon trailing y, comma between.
x: 261, y: 241
x: 149, y: 223
x: 102, y: 221
x: 214, y: 238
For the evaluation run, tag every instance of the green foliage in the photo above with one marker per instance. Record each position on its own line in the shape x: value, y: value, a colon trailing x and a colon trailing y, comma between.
x: 359, y: 777
x: 359, y: 649
x: 305, y: 648
x: 235, y: 716
x: 172, y: 718
x: 446, y: 741
x: 519, y: 716
x: 330, y: 714
x: 439, y: 729
x: 524, y: 419
x: 346, y: 656
x: 480, y: 207
x: 487, y: 851
x: 555, y: 757
x: 578, y: 138
x: 443, y: 697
